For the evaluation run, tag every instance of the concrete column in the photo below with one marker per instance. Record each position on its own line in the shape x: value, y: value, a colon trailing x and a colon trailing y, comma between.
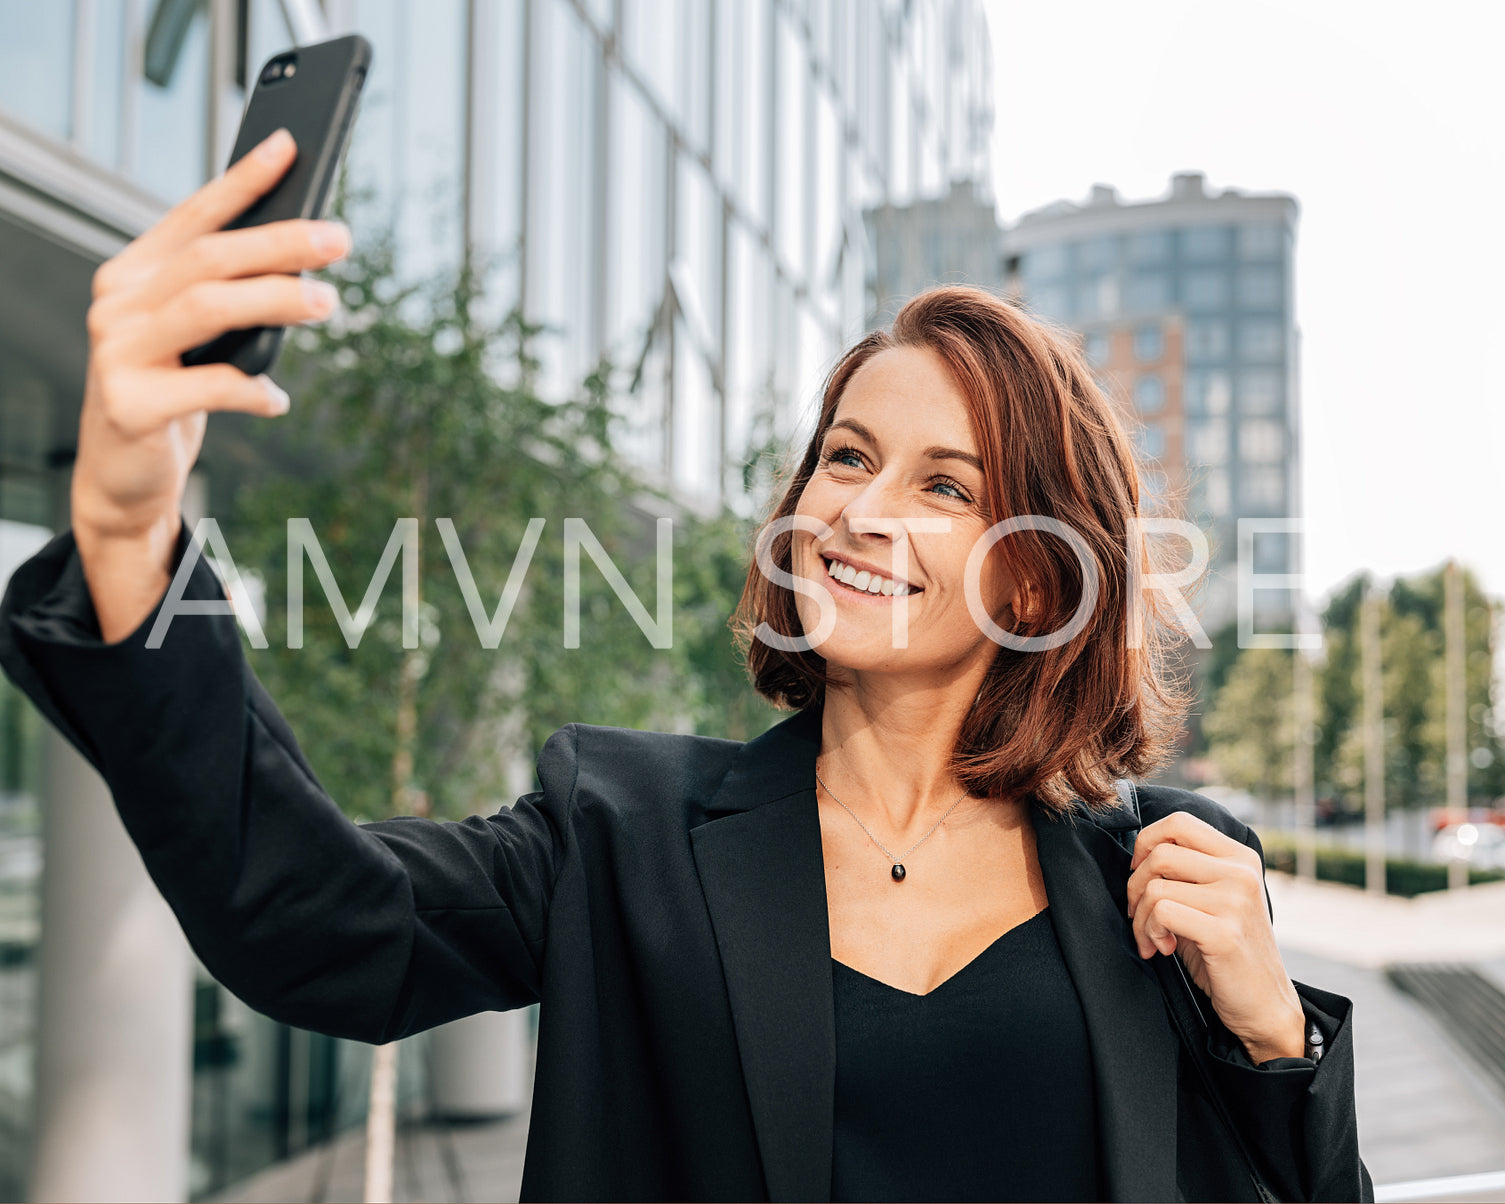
x: 480, y: 1066
x: 115, y: 1007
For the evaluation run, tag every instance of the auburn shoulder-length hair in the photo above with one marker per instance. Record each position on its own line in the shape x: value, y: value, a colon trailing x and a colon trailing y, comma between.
x: 1059, y: 724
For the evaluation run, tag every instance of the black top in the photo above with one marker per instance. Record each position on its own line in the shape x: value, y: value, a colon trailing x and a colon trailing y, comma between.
x: 980, y: 1090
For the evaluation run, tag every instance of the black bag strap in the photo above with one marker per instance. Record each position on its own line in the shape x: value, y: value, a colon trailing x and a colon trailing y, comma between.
x: 1181, y: 1001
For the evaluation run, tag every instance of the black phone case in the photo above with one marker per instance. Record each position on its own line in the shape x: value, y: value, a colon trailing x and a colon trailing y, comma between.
x: 317, y: 106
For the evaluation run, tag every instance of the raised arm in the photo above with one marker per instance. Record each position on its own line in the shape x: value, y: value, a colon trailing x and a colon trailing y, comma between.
x: 369, y: 932
x: 183, y: 282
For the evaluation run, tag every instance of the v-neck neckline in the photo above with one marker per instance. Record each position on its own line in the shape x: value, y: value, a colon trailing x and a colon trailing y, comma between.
x: 942, y: 985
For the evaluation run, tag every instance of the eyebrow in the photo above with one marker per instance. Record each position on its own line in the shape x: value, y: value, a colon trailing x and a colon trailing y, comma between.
x: 934, y: 453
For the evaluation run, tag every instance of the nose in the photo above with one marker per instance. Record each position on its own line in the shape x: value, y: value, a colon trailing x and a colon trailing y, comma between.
x: 874, y: 513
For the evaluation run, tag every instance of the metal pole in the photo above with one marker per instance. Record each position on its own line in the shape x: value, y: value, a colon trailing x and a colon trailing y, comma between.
x: 1456, y: 709
x: 1306, y: 800
x: 1374, y: 744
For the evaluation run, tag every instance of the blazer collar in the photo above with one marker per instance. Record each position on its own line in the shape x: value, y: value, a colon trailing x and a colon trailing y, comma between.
x: 761, y: 868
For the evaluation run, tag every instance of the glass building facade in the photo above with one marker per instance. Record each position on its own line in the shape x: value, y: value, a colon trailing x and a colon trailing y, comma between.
x: 1212, y: 272
x: 677, y: 186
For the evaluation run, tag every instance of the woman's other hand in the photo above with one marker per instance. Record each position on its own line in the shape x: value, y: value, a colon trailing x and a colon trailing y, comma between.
x: 184, y: 282
x: 1193, y: 889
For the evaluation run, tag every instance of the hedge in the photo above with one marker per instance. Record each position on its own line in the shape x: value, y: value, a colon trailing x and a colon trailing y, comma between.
x: 1402, y: 877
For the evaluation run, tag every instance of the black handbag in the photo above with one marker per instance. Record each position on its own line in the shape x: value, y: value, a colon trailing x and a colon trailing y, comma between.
x: 1186, y: 1012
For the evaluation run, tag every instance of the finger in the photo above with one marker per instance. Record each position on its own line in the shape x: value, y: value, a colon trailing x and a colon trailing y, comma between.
x: 1171, y: 920
x: 146, y: 401
x: 1183, y: 828
x: 220, y: 201
x: 1151, y: 933
x: 286, y: 247
x: 208, y: 309
x: 1184, y: 864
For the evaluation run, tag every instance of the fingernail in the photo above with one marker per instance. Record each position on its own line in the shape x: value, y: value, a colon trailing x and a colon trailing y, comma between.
x: 281, y: 403
x: 321, y: 297
x: 331, y: 238
x: 274, y: 147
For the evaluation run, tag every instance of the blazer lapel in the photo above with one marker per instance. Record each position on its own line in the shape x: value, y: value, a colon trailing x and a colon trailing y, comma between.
x: 764, y: 879
x: 1134, y: 1049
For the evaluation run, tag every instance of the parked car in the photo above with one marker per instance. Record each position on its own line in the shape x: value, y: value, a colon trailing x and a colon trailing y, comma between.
x: 1480, y: 845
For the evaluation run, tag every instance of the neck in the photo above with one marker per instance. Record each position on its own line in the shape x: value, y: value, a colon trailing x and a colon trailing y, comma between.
x: 886, y: 750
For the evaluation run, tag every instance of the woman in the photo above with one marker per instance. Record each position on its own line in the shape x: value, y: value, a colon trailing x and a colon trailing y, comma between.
x: 881, y: 951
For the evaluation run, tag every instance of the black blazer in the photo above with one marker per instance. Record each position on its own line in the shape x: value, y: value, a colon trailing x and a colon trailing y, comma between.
x: 662, y: 896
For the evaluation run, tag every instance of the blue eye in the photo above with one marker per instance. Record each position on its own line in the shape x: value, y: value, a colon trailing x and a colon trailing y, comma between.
x: 954, y: 489
x: 846, y: 456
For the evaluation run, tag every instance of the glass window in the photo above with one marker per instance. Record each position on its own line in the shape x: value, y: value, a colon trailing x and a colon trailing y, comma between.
x: 36, y: 65
x: 1262, y: 487
x: 828, y: 165
x: 169, y: 143
x: 1202, y: 243
x: 1149, y: 394
x: 1260, y: 391
x: 1211, y: 494
x: 697, y: 458
x: 1205, y: 289
x: 1051, y: 301
x: 1151, y: 440
x: 497, y: 180
x: 1149, y: 343
x: 106, y: 83
x: 1261, y: 441
x: 1207, y: 339
x: 561, y: 183
x: 636, y: 264
x: 1098, y: 297
x: 1044, y: 263
x: 1259, y: 288
x: 698, y: 250
x: 1207, y: 442
x: 1148, y: 291
x: 1261, y: 339
x: 1095, y: 348
x: 1261, y: 240
x: 1149, y: 246
x: 1099, y: 254
x: 748, y: 381
x: 1207, y: 392
x: 652, y: 34
x: 790, y: 160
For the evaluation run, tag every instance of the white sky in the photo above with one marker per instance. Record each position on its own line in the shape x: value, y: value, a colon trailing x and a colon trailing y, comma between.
x: 1387, y: 123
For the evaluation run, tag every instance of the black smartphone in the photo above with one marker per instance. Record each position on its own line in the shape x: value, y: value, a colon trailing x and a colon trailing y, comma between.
x: 312, y: 92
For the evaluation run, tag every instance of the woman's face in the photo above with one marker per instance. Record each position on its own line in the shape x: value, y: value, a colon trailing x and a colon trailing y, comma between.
x: 899, y: 482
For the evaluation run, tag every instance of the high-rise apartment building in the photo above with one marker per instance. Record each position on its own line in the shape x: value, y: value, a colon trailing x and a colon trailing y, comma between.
x: 1185, y: 306
x: 673, y: 183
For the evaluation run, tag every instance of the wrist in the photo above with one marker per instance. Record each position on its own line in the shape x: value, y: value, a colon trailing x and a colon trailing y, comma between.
x: 1288, y: 1041
x: 126, y: 572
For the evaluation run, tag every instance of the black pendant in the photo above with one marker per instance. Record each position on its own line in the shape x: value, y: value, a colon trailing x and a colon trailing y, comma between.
x: 897, y: 872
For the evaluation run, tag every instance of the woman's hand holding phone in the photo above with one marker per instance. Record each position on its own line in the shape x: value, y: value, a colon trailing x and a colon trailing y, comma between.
x: 182, y: 283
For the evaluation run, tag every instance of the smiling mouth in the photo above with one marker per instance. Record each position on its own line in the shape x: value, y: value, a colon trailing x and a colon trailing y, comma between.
x: 864, y: 582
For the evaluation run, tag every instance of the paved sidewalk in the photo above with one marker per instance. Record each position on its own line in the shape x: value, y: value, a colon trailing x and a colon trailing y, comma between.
x: 1424, y: 1112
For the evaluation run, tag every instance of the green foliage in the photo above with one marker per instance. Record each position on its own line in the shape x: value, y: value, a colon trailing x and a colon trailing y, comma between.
x: 411, y: 404
x: 1250, y: 727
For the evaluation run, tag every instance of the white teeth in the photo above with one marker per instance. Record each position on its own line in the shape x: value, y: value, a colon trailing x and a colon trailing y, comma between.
x: 866, y: 580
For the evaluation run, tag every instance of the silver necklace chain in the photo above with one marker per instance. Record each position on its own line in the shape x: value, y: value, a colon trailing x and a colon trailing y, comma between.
x: 874, y: 839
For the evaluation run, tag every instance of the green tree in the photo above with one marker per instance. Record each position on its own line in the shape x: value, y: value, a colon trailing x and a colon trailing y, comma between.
x: 1250, y: 728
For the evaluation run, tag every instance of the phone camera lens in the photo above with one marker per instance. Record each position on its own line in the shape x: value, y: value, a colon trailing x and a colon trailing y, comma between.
x: 290, y: 69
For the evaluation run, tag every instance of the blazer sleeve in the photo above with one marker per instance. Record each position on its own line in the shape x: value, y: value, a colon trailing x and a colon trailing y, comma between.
x: 367, y: 931
x: 1297, y: 1117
